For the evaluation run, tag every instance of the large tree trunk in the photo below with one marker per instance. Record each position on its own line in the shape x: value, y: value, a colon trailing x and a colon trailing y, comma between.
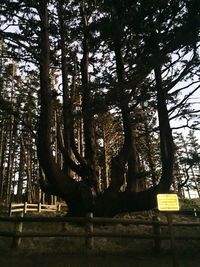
x: 128, y: 151
x: 67, y: 105
x: 58, y: 182
x: 166, y: 139
x: 112, y: 203
x: 78, y: 195
x: 55, y: 180
x: 87, y: 110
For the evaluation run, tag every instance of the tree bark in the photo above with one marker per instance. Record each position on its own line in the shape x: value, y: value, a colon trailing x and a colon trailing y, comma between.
x: 59, y: 182
x: 88, y: 118
x: 20, y: 175
x: 3, y: 144
x: 67, y: 105
x: 166, y: 139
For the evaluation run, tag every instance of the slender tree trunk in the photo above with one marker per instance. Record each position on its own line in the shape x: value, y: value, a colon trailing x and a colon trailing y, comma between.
x: 150, y: 156
x: 20, y: 175
x: 11, y: 155
x: 192, y: 170
x: 28, y: 168
x: 3, y: 143
x: 106, y: 159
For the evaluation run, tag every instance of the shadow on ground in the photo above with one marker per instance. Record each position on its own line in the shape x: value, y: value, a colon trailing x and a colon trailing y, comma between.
x: 92, y: 260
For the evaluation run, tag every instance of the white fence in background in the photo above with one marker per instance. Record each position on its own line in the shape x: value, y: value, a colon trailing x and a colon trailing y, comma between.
x: 29, y: 207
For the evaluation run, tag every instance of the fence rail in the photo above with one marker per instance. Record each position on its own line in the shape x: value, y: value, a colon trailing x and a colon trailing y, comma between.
x: 29, y: 207
x: 88, y: 231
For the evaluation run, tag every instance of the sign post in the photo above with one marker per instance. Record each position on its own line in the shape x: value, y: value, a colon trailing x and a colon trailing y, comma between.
x: 168, y: 203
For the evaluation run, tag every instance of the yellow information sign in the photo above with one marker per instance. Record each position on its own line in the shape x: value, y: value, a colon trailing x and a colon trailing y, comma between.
x: 168, y: 202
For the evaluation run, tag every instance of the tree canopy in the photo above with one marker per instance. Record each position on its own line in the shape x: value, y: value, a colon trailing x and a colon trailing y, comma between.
x: 96, y: 85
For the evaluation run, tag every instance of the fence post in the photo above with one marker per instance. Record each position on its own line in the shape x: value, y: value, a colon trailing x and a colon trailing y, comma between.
x: 10, y: 209
x: 39, y: 207
x: 18, y: 229
x: 157, y: 233
x: 89, y: 240
x: 25, y: 207
x: 58, y: 207
x: 172, y: 239
x: 195, y: 212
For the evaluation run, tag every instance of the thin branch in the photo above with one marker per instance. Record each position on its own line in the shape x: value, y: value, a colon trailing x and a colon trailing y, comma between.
x: 183, y: 100
x: 19, y: 40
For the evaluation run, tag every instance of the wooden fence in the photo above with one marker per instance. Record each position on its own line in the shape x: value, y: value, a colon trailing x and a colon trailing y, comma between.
x: 88, y: 231
x: 27, y: 207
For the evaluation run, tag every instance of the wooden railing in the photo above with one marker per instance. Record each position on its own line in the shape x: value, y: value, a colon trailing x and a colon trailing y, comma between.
x: 88, y: 231
x: 27, y: 207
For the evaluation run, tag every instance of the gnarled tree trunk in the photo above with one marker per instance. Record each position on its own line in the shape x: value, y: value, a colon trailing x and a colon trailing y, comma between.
x: 79, y: 194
